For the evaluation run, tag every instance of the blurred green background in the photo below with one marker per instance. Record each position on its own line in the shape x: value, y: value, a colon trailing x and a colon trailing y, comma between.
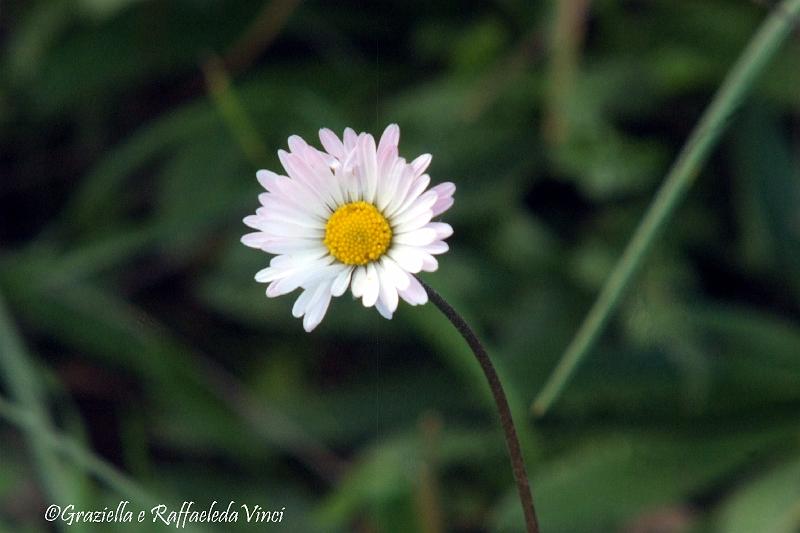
x: 131, y: 327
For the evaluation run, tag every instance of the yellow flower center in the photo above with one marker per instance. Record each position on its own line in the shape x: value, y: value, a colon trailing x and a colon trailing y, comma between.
x: 357, y: 233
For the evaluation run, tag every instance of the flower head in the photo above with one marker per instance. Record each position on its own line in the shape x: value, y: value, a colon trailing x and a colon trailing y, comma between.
x: 354, y: 215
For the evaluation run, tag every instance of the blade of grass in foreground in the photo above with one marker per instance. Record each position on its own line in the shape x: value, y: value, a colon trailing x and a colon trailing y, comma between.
x: 704, y: 137
x: 23, y: 384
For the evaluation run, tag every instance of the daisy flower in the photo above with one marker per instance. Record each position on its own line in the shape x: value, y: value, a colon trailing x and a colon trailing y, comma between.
x: 354, y: 215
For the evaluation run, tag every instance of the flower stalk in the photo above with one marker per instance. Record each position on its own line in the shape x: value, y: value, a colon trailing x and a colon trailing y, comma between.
x: 509, y: 430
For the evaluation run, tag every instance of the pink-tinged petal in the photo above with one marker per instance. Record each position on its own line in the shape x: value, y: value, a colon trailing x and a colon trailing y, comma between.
x: 421, y: 164
x: 445, y: 189
x: 371, y: 286
x: 387, y: 149
x: 442, y: 205
x: 269, y: 180
x: 299, y: 170
x: 330, y: 141
x: 389, y: 138
x: 350, y: 140
x: 415, y: 293
x: 299, y: 195
x: 297, y: 144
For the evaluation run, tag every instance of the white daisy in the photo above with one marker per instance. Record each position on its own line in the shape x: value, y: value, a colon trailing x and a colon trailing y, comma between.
x: 352, y: 215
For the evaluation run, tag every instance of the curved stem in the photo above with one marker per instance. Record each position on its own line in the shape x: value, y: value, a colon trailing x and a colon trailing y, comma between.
x: 512, y: 441
x: 677, y: 183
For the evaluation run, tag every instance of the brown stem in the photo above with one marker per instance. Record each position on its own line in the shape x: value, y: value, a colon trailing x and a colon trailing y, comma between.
x: 514, y: 451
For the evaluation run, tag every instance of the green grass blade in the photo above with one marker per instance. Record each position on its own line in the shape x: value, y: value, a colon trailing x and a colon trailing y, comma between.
x: 23, y: 384
x: 681, y: 176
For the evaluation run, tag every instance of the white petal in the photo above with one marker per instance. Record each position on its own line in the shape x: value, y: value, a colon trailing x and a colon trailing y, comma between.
x: 387, y: 185
x: 271, y: 273
x: 305, y: 277
x: 357, y: 285
x: 415, y: 293
x: 413, y: 196
x: 388, y: 290
x: 281, y: 208
x: 399, y: 277
x: 342, y: 281
x: 283, y: 245
x: 443, y: 230
x: 368, y: 166
x: 436, y: 247
x: 282, y: 229
x: 299, y: 258
x: 407, y: 257
x: 404, y: 184
x: 419, y: 237
x: 253, y: 221
x: 300, y: 305
x: 255, y: 240
x: 383, y: 310
x: 413, y: 224
x: 429, y: 263
x: 371, y: 286
x: 420, y: 206
x: 318, y: 306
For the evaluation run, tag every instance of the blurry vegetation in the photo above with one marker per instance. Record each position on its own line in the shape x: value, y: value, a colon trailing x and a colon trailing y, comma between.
x: 130, y: 132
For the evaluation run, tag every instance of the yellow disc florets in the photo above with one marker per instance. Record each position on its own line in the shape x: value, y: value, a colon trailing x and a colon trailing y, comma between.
x: 357, y: 233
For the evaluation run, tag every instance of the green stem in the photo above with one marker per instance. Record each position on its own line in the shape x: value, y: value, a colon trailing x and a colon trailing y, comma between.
x: 740, y: 79
x: 503, y: 410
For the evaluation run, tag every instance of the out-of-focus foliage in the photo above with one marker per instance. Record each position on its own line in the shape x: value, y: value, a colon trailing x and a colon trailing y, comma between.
x: 127, y: 160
